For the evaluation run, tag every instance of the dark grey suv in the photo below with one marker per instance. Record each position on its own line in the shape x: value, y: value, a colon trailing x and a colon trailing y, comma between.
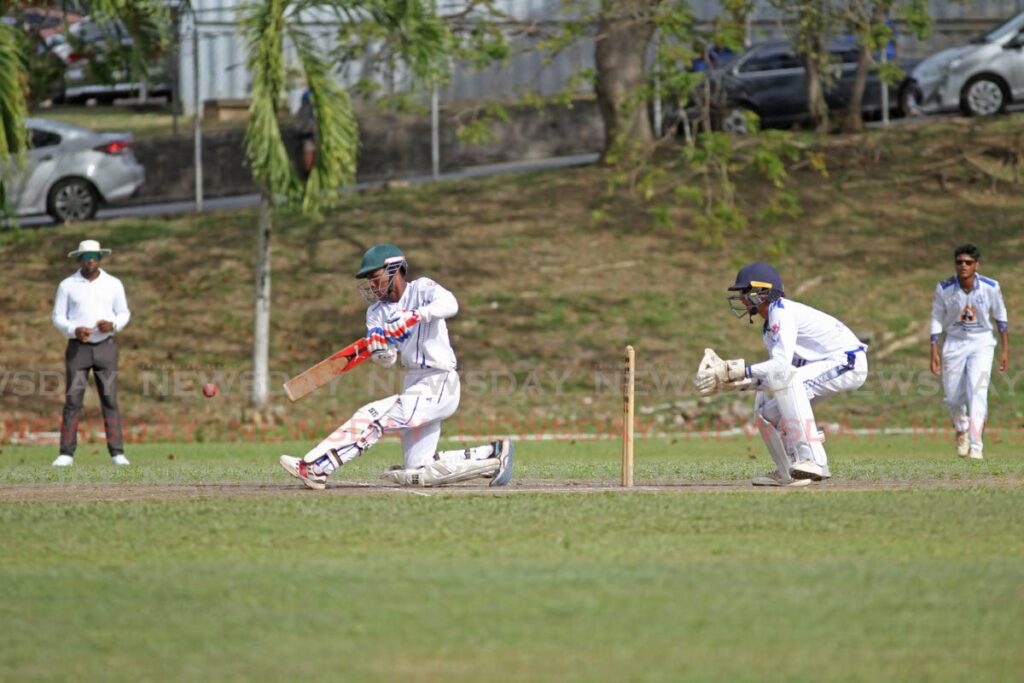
x: 769, y: 80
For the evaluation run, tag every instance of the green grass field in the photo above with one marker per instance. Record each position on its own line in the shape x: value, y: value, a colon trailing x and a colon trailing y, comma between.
x: 910, y: 567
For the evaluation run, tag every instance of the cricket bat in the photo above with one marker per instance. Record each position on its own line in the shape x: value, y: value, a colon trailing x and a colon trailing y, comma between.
x: 326, y: 370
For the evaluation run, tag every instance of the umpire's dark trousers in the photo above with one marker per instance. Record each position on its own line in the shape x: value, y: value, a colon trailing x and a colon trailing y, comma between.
x: 79, y: 359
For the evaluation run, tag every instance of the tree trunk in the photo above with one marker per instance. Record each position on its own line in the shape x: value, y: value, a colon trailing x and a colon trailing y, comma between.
x: 624, y: 33
x: 817, y: 108
x: 261, y: 317
x: 853, y: 122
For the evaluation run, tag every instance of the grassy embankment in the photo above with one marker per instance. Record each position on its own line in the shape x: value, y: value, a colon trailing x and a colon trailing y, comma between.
x: 549, y: 297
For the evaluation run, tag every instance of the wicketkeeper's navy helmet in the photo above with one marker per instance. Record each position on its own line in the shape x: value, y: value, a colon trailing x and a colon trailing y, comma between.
x: 756, y: 283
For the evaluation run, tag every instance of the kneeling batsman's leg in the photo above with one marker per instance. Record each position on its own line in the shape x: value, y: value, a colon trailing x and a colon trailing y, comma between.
x: 493, y: 461
x: 344, y: 444
x: 798, y: 428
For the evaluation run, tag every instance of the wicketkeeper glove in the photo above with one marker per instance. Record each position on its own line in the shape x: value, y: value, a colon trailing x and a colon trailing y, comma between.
x: 715, y: 374
x: 397, y: 330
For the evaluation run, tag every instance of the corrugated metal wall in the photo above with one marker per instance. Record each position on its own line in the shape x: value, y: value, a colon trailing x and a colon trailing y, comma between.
x: 222, y: 52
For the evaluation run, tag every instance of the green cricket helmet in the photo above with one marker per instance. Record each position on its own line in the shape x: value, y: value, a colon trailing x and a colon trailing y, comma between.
x: 384, y: 257
x: 381, y: 256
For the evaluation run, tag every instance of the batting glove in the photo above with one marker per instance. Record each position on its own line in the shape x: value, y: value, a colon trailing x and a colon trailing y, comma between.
x: 397, y: 330
x: 385, y: 358
x: 377, y: 340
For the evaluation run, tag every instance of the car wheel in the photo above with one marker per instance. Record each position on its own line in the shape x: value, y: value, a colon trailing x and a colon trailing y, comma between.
x: 734, y: 121
x: 72, y: 199
x: 910, y: 99
x: 983, y: 96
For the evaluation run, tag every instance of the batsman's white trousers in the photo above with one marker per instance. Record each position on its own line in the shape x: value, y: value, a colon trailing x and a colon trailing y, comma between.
x: 820, y: 379
x: 428, y: 397
x: 966, y: 372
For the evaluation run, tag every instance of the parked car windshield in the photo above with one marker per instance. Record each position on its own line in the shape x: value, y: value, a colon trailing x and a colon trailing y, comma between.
x: 770, y: 59
x: 1002, y: 30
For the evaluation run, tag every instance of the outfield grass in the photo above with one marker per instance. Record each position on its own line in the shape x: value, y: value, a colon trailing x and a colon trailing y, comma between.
x: 886, y: 459
x: 814, y: 585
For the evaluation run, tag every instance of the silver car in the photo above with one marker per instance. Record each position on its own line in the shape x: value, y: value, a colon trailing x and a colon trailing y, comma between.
x: 69, y: 171
x: 979, y: 78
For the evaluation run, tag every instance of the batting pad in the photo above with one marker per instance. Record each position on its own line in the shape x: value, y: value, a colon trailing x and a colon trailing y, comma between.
x: 348, y: 441
x: 439, y: 472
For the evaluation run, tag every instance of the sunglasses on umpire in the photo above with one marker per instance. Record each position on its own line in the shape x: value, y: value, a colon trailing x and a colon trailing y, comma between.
x: 965, y: 262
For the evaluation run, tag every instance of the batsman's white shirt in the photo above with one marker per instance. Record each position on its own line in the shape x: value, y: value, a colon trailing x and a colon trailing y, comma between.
x: 797, y: 335
x: 969, y: 316
x: 82, y: 303
x: 428, y: 347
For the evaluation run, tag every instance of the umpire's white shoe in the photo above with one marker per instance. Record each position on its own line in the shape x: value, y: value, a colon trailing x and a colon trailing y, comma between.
x: 300, y: 469
x: 975, y: 454
x: 504, y: 451
x: 63, y: 461
x: 774, y: 478
x: 119, y: 459
x: 808, y: 469
x: 963, y: 444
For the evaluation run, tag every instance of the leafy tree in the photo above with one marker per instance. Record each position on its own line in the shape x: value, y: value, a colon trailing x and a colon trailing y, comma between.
x: 813, y: 22
x: 417, y: 39
x: 869, y: 22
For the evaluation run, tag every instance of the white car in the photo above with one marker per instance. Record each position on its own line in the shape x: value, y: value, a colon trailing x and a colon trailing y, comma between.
x: 69, y: 171
x: 979, y: 78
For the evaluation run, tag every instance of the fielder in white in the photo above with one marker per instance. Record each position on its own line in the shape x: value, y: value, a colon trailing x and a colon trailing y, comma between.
x: 811, y: 356
x: 407, y: 319
x: 966, y: 308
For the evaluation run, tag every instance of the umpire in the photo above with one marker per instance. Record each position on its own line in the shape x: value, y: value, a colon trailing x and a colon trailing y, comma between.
x: 89, y: 310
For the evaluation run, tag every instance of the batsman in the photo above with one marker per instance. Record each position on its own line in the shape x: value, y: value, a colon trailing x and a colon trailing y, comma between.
x: 406, y: 319
x: 811, y: 356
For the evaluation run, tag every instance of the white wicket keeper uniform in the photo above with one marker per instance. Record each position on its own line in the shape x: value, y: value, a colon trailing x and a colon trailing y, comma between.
x: 968, y: 319
x: 822, y: 352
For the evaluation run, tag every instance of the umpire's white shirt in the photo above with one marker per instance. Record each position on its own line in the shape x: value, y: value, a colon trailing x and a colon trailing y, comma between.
x: 428, y: 347
x: 795, y: 334
x: 968, y: 316
x: 83, y: 303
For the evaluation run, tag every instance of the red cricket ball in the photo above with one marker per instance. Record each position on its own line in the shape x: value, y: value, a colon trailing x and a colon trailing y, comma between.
x: 209, y: 390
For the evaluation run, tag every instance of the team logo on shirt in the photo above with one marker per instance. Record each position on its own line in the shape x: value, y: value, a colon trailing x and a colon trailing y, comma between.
x: 775, y: 328
x: 967, y: 315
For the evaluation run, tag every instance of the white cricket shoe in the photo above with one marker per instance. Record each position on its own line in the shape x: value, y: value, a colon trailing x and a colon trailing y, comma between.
x: 119, y: 459
x: 975, y: 454
x: 774, y: 478
x: 63, y: 461
x: 808, y: 469
x: 300, y: 469
x: 963, y: 444
x: 503, y: 451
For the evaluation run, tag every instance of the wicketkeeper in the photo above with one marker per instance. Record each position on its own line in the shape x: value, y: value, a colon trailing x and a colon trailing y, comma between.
x: 406, y: 318
x: 811, y: 356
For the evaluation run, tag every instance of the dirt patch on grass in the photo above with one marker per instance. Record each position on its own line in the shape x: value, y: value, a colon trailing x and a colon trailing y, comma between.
x: 85, y: 493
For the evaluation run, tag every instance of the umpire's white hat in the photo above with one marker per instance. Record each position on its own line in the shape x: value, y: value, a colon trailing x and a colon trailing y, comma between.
x: 88, y: 246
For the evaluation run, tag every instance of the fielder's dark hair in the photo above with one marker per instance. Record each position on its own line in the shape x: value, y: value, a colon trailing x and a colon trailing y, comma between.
x: 968, y: 249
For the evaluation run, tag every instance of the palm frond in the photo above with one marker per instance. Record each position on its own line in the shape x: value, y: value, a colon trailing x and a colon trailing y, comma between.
x: 264, y: 25
x: 335, y: 128
x: 13, y: 107
x: 422, y: 39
